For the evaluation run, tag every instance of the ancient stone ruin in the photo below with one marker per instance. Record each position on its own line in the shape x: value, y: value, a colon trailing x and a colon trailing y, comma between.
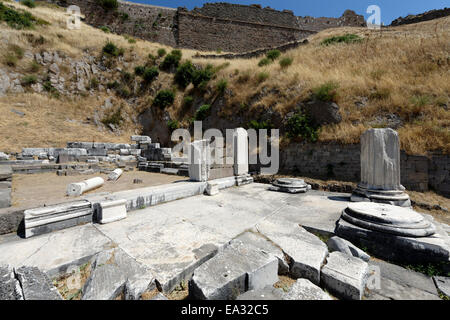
x: 380, y: 169
x: 213, y: 231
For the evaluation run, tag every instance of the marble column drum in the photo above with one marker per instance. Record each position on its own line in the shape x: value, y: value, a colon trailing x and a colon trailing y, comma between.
x: 380, y: 169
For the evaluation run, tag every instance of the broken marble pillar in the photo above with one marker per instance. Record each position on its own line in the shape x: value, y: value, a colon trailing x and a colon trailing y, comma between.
x: 200, y: 161
x: 235, y: 270
x: 380, y: 169
x: 212, y: 189
x: 9, y: 286
x: 240, y: 149
x: 36, y: 285
x: 290, y: 185
x: 394, y: 233
x: 345, y: 276
x: 78, y: 188
x: 55, y: 217
x: 305, y: 251
x: 304, y: 289
x: 113, y: 176
x: 108, y: 211
x: 115, y: 272
x: 338, y: 244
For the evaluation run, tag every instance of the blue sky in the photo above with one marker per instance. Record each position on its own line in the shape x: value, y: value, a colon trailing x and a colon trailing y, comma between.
x: 390, y: 9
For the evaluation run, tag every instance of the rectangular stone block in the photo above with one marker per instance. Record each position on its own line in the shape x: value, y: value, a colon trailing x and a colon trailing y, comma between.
x: 5, y: 198
x: 110, y: 211
x: 5, y: 172
x: 55, y: 217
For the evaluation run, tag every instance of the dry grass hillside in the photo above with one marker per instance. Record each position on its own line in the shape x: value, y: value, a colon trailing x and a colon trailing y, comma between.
x: 397, y: 77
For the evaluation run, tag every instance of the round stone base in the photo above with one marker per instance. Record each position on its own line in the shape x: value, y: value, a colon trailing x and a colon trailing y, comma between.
x: 388, y: 219
x: 393, y: 197
x: 290, y: 185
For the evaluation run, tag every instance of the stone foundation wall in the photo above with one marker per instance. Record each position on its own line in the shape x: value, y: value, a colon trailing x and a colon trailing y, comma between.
x: 211, y: 34
x: 224, y: 26
x: 342, y: 162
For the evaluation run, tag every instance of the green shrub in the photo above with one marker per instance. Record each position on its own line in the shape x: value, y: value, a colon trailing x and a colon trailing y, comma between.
x: 164, y: 98
x: 177, y: 53
x: 108, y: 4
x: 29, y: 3
x: 123, y: 91
x: 113, y: 85
x: 171, y: 60
x: 11, y: 60
x: 299, y: 125
x: 348, y: 38
x: 203, y: 76
x: 105, y: 29
x: 262, y: 76
x: 286, y: 62
x: 111, y: 49
x: 115, y: 118
x: 173, y: 125
x: 34, y: 66
x: 93, y: 83
x: 202, y: 112
x: 188, y: 101
x: 326, y: 92
x: 222, y: 85
x: 29, y: 80
x: 244, y: 77
x: 161, y: 52
x: 127, y: 77
x: 16, y: 19
x: 124, y: 16
x: 273, y: 54
x: 150, y: 74
x: 131, y: 40
x: 139, y: 70
x: 254, y: 124
x: 185, y: 74
x: 421, y: 100
x: 50, y: 89
x: 264, y: 62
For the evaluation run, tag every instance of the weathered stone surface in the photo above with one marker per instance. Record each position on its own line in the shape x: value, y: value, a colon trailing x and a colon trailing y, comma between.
x: 443, y: 284
x: 290, y: 185
x: 305, y: 251
x: 3, y: 156
x: 397, y: 283
x: 266, y: 293
x: 36, y: 285
x: 304, y: 289
x: 141, y: 139
x: 240, y: 149
x: 212, y: 189
x: 434, y: 248
x: 237, y: 269
x: 55, y: 217
x: 78, y: 188
x: 115, y: 272
x: 5, y: 198
x: 345, y: 276
x: 5, y: 83
x: 5, y: 172
x: 260, y: 242
x: 200, y: 160
x: 110, y: 210
x: 344, y: 246
x: 113, y: 176
x: 380, y: 169
x: 9, y: 287
x: 323, y: 112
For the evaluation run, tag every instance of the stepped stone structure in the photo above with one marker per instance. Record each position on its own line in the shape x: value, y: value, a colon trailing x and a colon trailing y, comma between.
x: 380, y: 169
x: 213, y: 27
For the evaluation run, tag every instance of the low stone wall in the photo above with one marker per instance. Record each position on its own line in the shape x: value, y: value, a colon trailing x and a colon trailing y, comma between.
x: 426, y: 16
x: 5, y: 186
x: 342, y: 162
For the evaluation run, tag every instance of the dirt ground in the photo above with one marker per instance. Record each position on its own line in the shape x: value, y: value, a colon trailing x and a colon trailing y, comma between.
x: 35, y: 190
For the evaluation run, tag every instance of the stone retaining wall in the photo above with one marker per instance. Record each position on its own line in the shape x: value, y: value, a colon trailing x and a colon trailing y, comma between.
x: 342, y: 162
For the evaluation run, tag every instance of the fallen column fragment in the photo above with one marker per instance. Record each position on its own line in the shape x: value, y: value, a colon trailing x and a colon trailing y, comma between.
x: 111, y: 210
x: 115, y: 175
x: 78, y: 188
